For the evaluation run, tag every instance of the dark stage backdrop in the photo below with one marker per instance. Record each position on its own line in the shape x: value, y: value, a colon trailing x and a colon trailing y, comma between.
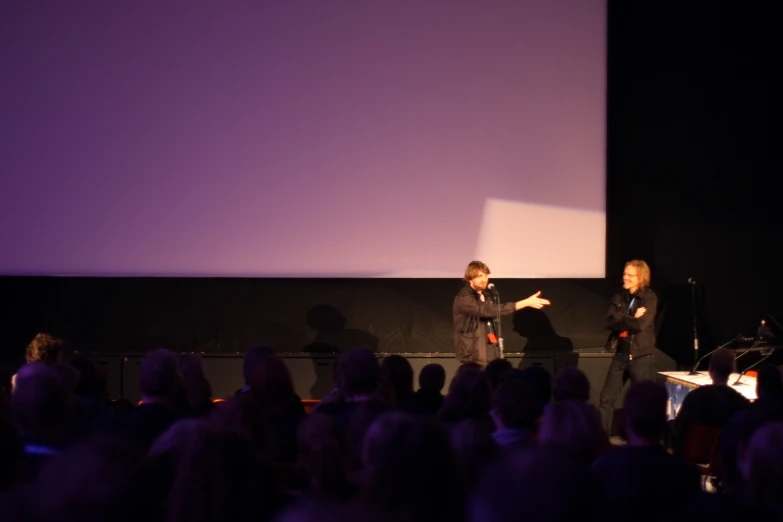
x: 132, y: 315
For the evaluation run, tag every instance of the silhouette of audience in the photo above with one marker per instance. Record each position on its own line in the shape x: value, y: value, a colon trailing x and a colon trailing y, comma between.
x: 494, y: 448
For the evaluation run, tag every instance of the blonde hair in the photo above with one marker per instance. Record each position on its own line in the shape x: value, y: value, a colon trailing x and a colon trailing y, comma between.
x: 642, y: 271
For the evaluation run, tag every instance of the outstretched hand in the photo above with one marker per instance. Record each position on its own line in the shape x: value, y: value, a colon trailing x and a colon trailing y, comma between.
x: 534, y: 301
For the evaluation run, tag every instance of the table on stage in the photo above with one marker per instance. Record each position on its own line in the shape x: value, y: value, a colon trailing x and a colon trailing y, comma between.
x: 678, y: 384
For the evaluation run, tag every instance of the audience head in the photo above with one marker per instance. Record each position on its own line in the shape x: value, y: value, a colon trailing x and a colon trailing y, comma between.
x: 45, y: 348
x: 253, y: 356
x: 69, y: 377
x: 158, y: 375
x: 469, y: 366
x: 761, y: 466
x: 722, y: 364
x: 99, y: 480
x: 404, y: 457
x: 469, y: 396
x: 359, y: 372
x: 495, y: 369
x: 535, y: 485
x: 645, y: 413
x: 366, y: 413
x: 90, y: 383
x: 571, y: 384
x: 243, y: 414
x: 398, y: 373
x: 432, y: 378
x: 272, y: 385
x: 333, y: 511
x: 214, y: 475
x: 516, y: 405
x: 574, y: 427
x: 5, y: 387
x: 39, y: 403
x: 10, y: 454
x: 540, y: 379
x: 474, y: 448
x: 197, y: 387
x: 769, y: 382
x: 321, y: 449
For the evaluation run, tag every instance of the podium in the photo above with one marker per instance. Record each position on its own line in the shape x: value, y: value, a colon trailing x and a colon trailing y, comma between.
x: 678, y: 384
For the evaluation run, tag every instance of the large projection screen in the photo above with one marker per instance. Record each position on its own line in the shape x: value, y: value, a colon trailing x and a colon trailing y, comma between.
x: 303, y: 138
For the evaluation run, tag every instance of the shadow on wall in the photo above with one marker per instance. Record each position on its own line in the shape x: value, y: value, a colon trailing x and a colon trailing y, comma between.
x: 332, y: 338
x: 535, y: 326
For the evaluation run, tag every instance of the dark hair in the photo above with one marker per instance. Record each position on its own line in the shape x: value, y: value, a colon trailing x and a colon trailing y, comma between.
x: 158, y: 373
x: 244, y: 414
x: 404, y: 457
x: 197, y: 388
x: 495, y: 369
x: 253, y: 356
x: 571, y: 384
x: 540, y: 379
x: 645, y: 409
x: 358, y: 371
x: 468, y: 397
x: 89, y: 382
x: 517, y: 404
x: 722, y: 362
x: 39, y: 402
x: 272, y: 386
x: 769, y: 381
x: 432, y: 377
x: 10, y: 453
x: 215, y: 476
x: 398, y: 372
x: 96, y: 478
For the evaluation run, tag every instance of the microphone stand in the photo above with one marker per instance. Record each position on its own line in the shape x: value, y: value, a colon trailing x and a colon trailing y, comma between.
x: 696, y: 365
x: 737, y: 382
x: 762, y: 336
x: 770, y: 316
x: 696, y: 359
x: 496, y: 296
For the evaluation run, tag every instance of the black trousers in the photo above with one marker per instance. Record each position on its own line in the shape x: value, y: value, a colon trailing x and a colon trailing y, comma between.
x: 621, y: 369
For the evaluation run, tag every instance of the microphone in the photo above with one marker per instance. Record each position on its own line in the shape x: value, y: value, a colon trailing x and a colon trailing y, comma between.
x: 743, y: 372
x: 694, y: 372
x: 691, y: 281
x: 491, y: 288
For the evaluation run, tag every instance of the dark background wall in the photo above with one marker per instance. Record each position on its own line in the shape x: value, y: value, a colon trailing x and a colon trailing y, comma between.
x: 690, y: 175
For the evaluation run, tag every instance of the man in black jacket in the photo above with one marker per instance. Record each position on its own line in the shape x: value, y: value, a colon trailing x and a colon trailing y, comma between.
x: 631, y: 319
x: 475, y: 315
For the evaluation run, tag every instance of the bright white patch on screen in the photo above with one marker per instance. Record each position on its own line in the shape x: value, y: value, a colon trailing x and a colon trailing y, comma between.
x: 523, y: 240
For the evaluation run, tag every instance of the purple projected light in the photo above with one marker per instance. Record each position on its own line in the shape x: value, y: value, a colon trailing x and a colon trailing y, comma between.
x: 304, y: 139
